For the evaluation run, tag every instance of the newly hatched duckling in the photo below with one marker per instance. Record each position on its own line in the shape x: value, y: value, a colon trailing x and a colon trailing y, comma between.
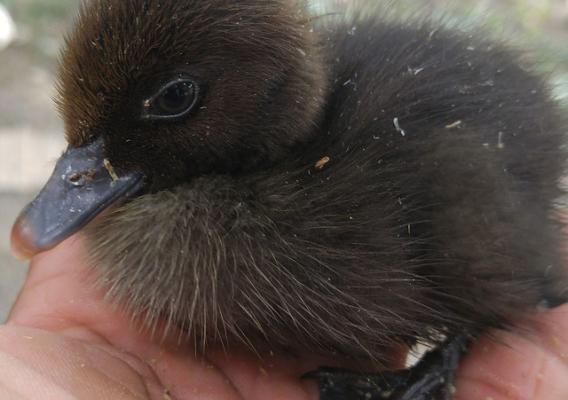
x: 336, y: 187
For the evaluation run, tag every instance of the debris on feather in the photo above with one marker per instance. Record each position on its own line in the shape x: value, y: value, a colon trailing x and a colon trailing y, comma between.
x: 500, y: 143
x: 110, y: 169
x: 397, y: 126
x: 454, y: 125
x: 322, y: 163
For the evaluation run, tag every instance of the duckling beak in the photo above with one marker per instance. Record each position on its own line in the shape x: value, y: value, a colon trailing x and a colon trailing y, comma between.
x: 82, y: 185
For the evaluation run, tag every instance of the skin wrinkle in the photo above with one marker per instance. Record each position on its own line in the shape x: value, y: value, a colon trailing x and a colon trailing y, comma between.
x: 227, y: 379
x: 524, y: 358
x: 539, y: 387
x: 145, y: 370
x: 39, y: 386
x: 489, y: 388
x: 10, y: 394
x: 123, y: 387
x: 74, y: 375
x: 259, y: 375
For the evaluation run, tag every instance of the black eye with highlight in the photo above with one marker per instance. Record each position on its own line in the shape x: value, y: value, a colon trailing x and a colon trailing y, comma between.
x: 174, y: 100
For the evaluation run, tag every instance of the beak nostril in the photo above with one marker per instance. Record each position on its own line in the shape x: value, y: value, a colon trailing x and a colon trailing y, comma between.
x: 76, y: 179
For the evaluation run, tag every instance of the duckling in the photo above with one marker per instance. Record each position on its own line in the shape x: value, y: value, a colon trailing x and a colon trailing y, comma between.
x: 331, y: 185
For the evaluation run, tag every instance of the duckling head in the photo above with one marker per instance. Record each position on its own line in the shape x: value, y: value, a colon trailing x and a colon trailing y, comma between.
x: 168, y: 107
x: 157, y: 93
x: 178, y: 89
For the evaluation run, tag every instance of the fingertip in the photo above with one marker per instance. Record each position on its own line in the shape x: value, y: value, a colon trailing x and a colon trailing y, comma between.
x: 509, y: 366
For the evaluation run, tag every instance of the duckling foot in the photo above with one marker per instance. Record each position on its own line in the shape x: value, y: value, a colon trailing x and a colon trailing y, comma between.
x: 431, y: 379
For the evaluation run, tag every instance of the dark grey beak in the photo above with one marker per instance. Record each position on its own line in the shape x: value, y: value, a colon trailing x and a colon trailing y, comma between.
x: 82, y: 185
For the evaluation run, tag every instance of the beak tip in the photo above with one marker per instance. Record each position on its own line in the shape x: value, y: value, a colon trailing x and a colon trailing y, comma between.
x: 22, y: 240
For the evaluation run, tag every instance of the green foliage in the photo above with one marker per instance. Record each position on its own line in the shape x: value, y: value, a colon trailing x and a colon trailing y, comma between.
x: 30, y: 11
x: 41, y: 25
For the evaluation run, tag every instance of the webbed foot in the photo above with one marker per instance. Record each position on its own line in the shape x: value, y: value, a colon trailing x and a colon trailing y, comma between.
x: 430, y: 379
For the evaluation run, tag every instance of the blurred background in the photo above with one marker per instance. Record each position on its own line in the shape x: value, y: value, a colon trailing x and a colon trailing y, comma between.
x: 31, y: 135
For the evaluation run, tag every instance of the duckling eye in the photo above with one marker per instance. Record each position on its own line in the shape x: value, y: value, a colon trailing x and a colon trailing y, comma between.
x: 174, y: 100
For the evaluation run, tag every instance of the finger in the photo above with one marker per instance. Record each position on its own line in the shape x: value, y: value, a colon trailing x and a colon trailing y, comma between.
x: 519, y: 366
x: 36, y: 364
x: 58, y: 293
x: 58, y: 296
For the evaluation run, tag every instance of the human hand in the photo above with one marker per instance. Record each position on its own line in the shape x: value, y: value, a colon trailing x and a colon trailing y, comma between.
x: 530, y: 365
x: 63, y: 341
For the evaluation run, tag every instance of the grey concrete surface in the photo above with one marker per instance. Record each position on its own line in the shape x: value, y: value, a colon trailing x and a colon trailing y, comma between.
x: 12, y: 271
x: 27, y: 156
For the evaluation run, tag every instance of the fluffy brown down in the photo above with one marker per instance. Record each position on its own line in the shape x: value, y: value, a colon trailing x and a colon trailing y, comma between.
x: 432, y: 212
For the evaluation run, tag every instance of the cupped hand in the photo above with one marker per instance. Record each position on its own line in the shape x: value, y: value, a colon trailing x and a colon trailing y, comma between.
x: 63, y: 341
